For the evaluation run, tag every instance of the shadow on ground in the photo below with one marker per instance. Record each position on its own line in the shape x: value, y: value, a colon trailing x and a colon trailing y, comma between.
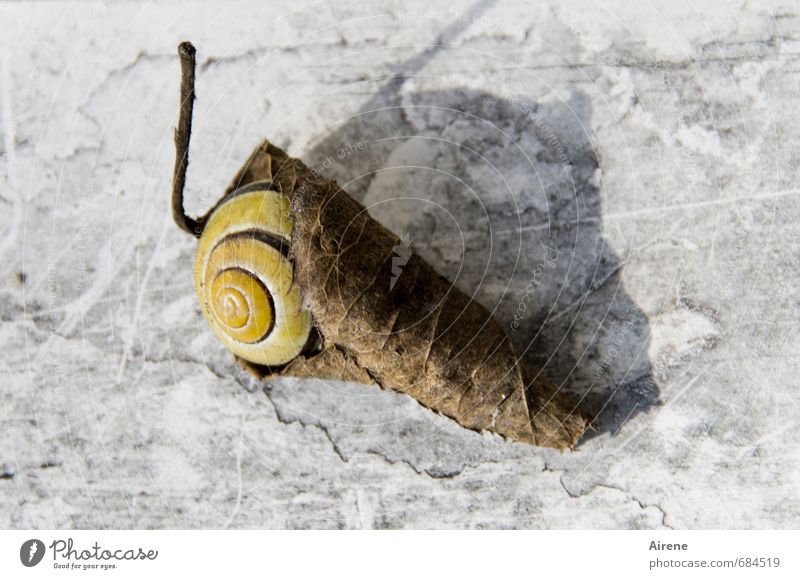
x: 503, y: 197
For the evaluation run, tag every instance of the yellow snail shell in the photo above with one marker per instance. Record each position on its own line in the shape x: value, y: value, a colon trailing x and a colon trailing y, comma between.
x: 244, y: 277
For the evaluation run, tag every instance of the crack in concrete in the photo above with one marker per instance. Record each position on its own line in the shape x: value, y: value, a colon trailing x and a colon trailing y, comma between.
x: 289, y: 421
x: 435, y: 475
x: 261, y: 51
x: 657, y: 65
x: 143, y: 56
x: 184, y: 359
x: 642, y: 505
x: 428, y: 472
x: 247, y: 54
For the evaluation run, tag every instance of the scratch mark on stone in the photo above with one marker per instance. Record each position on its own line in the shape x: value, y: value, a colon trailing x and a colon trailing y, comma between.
x: 9, y: 126
x: 9, y: 122
x: 365, y: 513
x: 239, y: 449
x: 767, y: 437
x: 73, y: 312
x: 138, y: 308
x: 707, y: 203
x: 686, y: 388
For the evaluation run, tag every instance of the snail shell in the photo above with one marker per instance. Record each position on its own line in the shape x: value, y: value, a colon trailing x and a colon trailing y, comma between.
x: 244, y: 277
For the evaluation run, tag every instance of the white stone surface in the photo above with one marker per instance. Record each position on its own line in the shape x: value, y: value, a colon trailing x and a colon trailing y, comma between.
x: 660, y: 162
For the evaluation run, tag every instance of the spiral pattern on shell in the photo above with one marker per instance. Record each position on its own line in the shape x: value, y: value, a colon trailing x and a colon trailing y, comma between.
x: 244, y: 277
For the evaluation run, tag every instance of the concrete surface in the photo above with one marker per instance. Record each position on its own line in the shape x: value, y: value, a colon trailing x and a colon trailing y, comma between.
x: 651, y: 153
